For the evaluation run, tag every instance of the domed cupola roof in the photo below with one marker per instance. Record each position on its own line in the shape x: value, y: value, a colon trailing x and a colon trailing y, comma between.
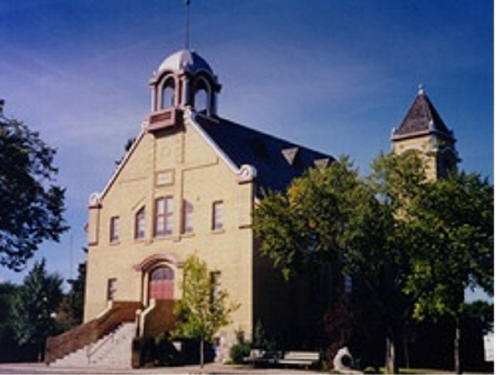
x: 184, y: 61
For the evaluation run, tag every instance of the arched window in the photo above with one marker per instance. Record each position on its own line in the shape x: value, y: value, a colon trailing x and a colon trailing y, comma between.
x: 200, y: 103
x: 168, y: 93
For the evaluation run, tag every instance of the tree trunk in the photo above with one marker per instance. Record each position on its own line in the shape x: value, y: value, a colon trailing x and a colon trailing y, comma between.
x: 202, y: 352
x: 390, y: 354
x: 456, y: 347
x: 406, y: 351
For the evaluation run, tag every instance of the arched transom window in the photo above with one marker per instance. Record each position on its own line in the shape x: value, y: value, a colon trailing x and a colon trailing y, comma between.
x: 162, y: 273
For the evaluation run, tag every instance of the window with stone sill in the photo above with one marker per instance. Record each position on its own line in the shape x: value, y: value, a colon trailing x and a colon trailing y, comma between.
x: 140, y: 224
x: 187, y: 215
x: 111, y: 290
x: 164, y: 216
x: 217, y: 216
x: 114, y: 235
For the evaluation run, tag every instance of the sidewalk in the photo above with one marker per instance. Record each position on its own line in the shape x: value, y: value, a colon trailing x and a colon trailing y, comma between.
x: 209, y: 369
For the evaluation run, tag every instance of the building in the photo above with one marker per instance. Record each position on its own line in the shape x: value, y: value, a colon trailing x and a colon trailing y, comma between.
x: 189, y: 184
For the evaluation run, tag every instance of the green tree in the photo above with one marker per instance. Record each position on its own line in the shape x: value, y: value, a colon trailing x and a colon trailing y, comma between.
x: 204, y: 308
x: 70, y: 312
x: 10, y: 349
x: 34, y: 306
x: 451, y: 223
x: 395, y: 180
x: 32, y: 206
x: 332, y: 216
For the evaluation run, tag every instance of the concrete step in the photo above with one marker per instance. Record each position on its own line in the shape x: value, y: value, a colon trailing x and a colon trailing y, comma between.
x: 113, y: 349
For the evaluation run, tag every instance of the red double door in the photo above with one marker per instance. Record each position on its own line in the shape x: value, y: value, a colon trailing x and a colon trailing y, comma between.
x: 161, y: 283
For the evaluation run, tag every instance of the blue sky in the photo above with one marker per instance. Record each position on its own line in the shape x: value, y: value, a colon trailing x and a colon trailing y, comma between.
x: 332, y: 75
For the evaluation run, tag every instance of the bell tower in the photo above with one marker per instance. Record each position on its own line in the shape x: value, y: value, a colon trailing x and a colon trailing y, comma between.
x: 424, y: 131
x: 184, y: 79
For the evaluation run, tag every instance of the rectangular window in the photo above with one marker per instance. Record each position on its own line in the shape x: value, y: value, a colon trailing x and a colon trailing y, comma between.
x: 217, y: 216
x: 113, y: 229
x: 111, y: 292
x: 216, y: 284
x: 187, y: 225
x: 164, y: 214
x: 140, y: 223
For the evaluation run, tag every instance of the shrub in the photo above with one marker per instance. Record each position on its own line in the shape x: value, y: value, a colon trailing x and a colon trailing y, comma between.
x: 260, y: 339
x: 241, y: 349
x: 164, y: 351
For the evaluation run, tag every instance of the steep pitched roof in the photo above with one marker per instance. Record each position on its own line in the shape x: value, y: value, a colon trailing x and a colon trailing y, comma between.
x: 419, y: 118
x: 268, y: 154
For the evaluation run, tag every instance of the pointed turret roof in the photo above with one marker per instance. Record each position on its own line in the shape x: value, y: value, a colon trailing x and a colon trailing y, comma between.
x: 422, y: 118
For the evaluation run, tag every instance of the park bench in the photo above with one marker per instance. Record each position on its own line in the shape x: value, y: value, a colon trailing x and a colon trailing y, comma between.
x: 299, y: 358
x: 263, y: 357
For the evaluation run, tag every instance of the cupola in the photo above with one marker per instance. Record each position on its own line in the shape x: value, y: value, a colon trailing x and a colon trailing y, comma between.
x: 183, y: 79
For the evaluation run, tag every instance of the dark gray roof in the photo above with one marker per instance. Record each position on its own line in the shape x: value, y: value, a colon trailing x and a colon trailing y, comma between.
x: 419, y: 117
x: 277, y: 161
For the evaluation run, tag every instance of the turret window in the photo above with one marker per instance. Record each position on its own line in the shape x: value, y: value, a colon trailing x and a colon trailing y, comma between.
x: 168, y: 93
x: 201, y: 97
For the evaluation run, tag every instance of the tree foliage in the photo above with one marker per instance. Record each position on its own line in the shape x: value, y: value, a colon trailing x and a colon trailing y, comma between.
x: 10, y: 349
x: 451, y: 222
x: 70, y: 311
x: 203, y: 309
x: 34, y: 307
x: 333, y: 216
x: 31, y: 205
x: 415, y: 244
x: 325, y: 216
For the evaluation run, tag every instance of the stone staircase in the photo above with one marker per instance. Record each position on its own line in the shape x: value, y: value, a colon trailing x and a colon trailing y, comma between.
x: 101, y: 342
x: 112, y: 350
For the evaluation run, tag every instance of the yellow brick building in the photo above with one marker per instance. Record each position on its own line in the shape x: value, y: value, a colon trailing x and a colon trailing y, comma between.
x: 189, y: 184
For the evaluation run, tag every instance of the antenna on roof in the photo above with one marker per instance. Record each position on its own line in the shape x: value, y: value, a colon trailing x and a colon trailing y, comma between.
x: 186, y: 46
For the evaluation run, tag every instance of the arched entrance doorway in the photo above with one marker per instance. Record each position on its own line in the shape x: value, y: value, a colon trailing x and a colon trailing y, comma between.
x: 161, y: 283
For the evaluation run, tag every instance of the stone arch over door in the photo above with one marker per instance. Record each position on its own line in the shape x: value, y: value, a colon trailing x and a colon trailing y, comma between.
x: 161, y: 277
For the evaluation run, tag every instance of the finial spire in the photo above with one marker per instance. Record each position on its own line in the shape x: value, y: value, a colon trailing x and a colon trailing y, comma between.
x: 186, y: 45
x: 420, y: 89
